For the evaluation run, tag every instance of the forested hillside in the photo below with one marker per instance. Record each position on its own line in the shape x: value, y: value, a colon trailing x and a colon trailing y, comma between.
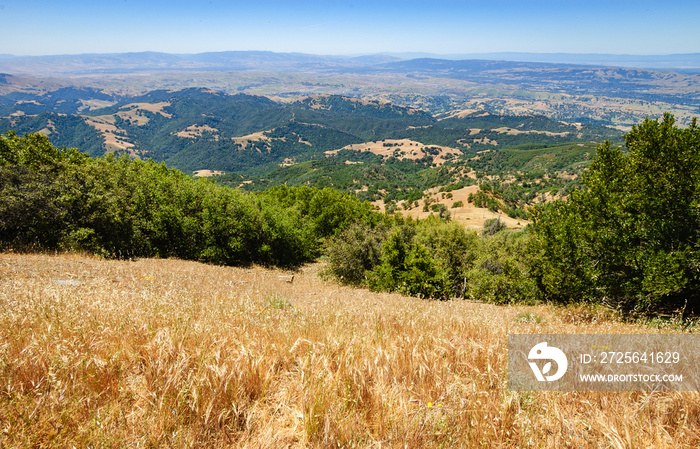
x: 377, y: 151
x: 626, y: 238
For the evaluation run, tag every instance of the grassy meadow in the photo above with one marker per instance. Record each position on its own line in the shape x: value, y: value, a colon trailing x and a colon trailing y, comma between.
x: 169, y: 353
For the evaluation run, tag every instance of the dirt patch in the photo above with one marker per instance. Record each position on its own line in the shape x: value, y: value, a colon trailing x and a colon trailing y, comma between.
x: 403, y: 149
x: 459, y: 114
x: 156, y: 108
x: 243, y: 141
x: 207, y: 173
x: 194, y: 131
x: 513, y: 132
x: 113, y: 139
x: 133, y: 112
x: 95, y: 104
x: 50, y: 128
x: 486, y: 141
x: 470, y: 216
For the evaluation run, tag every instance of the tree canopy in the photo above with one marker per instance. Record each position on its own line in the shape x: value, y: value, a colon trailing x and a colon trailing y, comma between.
x: 630, y: 237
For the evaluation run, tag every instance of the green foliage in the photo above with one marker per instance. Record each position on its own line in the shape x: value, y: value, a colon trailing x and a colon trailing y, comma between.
x: 441, y: 210
x: 395, y: 250
x: 492, y: 226
x: 630, y: 238
x: 485, y: 200
x: 408, y: 267
x: 433, y: 258
x: 279, y: 302
x: 34, y: 151
x: 423, y: 276
x: 427, y: 258
x: 453, y: 248
x: 501, y: 272
x: 54, y: 199
x: 355, y: 251
x: 63, y: 130
x: 327, y: 210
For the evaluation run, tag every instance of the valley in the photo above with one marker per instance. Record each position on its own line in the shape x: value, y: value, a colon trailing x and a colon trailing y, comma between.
x: 385, y: 153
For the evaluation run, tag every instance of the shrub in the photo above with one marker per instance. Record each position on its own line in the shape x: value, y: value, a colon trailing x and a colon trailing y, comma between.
x: 354, y: 252
x: 500, y: 274
x: 492, y: 226
x: 630, y: 237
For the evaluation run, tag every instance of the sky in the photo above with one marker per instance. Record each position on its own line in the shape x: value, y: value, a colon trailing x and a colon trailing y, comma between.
x: 350, y: 27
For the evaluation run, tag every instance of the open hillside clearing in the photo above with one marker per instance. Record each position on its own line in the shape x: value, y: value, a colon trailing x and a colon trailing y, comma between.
x: 145, y: 353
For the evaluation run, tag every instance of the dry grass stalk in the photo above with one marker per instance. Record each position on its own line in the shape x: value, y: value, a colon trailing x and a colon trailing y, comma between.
x: 173, y: 353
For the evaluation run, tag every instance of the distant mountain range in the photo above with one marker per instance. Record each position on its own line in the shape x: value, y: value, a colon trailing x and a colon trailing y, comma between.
x: 149, y: 61
x: 263, y: 60
x: 569, y: 89
x: 685, y: 62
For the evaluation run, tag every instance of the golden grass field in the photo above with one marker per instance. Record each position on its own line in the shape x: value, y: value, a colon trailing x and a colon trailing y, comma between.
x: 167, y: 353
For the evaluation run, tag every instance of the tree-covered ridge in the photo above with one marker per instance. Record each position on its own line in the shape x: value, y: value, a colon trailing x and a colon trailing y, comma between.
x: 318, y: 141
x: 198, y: 129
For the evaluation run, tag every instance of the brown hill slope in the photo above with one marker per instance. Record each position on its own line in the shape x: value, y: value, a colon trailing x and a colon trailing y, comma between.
x: 172, y: 353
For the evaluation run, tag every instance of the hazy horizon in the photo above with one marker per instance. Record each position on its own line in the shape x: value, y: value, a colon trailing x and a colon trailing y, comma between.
x: 441, y: 27
x: 403, y: 55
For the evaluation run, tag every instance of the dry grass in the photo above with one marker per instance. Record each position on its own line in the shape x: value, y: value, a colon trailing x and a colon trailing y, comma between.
x: 468, y: 214
x: 171, y: 353
x: 114, y: 140
x: 194, y: 131
x: 403, y: 149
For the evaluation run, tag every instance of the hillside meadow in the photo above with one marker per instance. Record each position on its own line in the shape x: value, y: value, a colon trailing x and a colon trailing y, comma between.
x: 171, y: 353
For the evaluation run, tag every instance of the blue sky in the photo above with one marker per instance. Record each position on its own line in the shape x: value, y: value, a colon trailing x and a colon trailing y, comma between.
x: 43, y: 27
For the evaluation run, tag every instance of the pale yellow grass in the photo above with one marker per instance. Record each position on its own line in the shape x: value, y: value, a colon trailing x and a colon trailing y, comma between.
x: 114, y: 141
x: 165, y: 353
x: 467, y: 215
x: 113, y: 136
x: 156, y: 108
x: 513, y: 132
x: 194, y: 131
x: 207, y: 173
x: 402, y: 149
x: 243, y: 141
x: 94, y: 104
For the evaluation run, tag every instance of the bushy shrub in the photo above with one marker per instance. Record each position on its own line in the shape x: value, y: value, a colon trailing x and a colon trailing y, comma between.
x: 423, y: 276
x: 492, y: 226
x: 428, y: 258
x: 327, y: 210
x: 59, y: 199
x: 433, y: 258
x: 355, y: 251
x: 452, y: 247
x: 500, y: 273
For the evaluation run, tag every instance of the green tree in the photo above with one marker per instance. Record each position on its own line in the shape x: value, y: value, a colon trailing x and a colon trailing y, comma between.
x: 630, y: 237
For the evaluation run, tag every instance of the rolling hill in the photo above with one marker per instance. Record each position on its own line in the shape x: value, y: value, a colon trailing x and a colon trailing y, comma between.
x: 614, y: 90
x: 200, y: 129
x: 381, y: 152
